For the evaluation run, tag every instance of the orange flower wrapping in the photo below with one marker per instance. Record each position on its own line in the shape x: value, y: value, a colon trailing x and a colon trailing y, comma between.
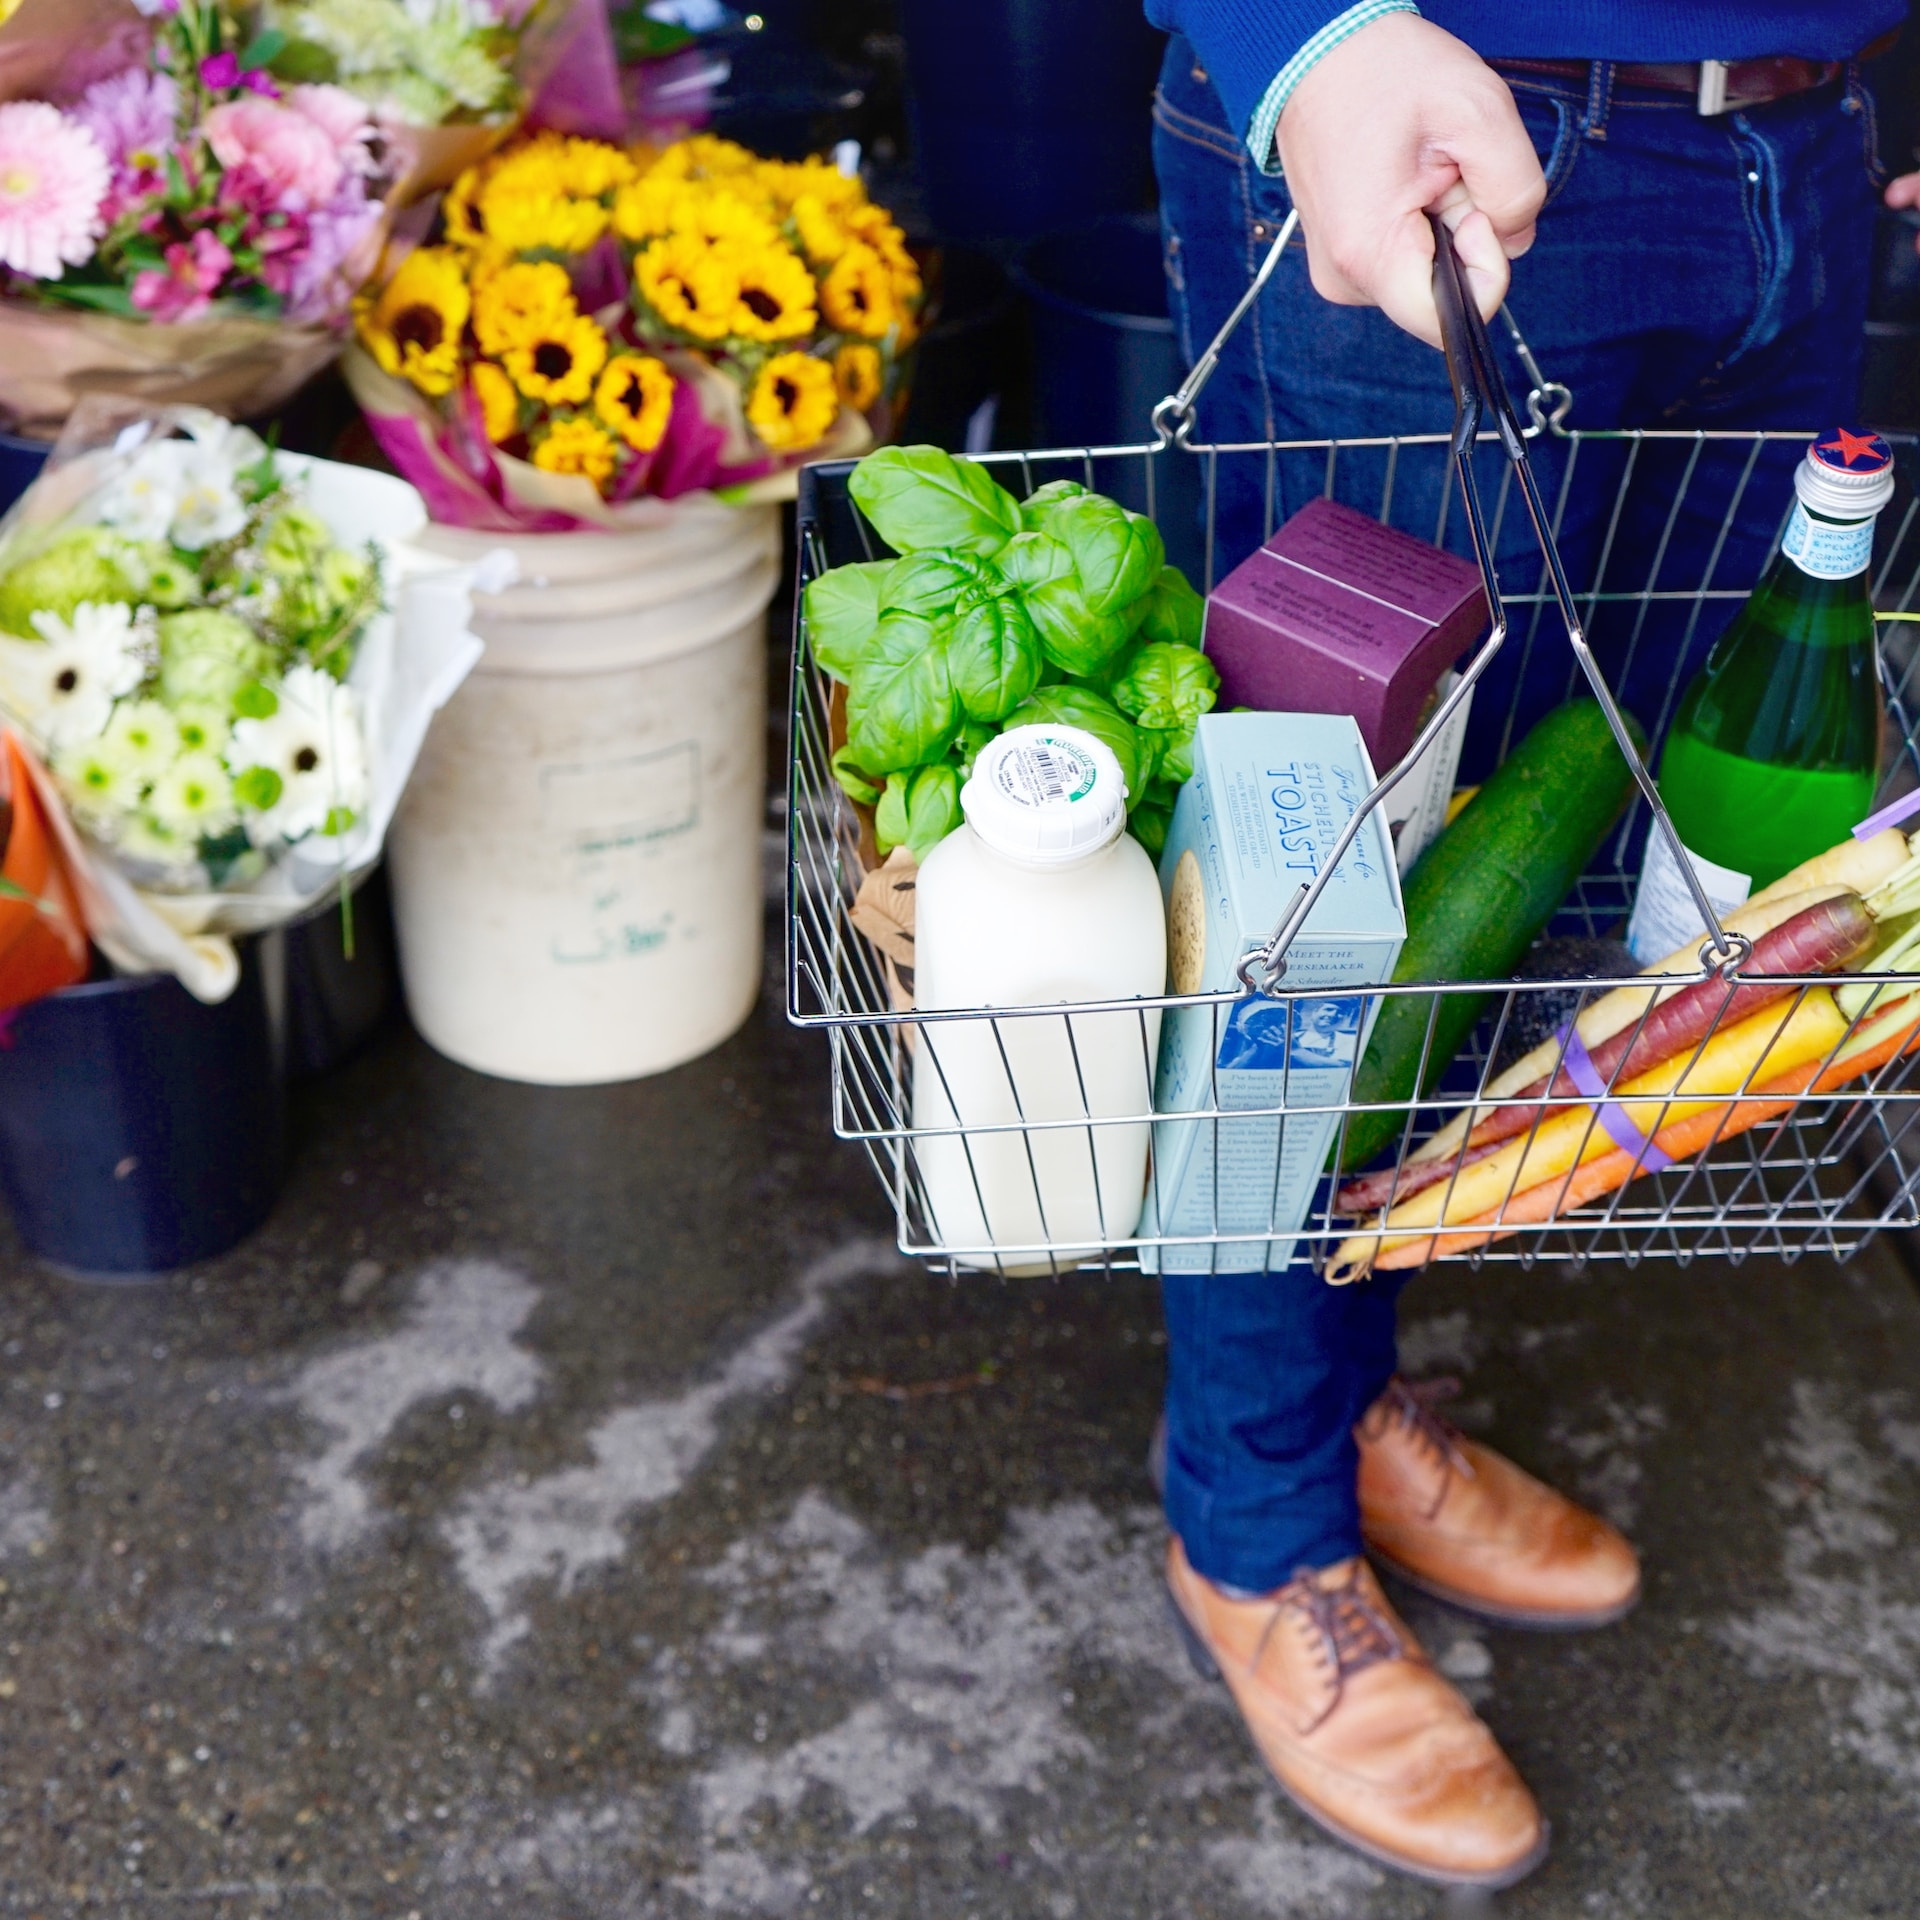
x: 43, y: 945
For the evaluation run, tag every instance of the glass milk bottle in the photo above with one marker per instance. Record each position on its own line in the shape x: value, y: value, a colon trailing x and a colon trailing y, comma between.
x: 1041, y: 897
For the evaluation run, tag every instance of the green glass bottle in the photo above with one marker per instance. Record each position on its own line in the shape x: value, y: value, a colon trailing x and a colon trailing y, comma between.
x: 1774, y: 755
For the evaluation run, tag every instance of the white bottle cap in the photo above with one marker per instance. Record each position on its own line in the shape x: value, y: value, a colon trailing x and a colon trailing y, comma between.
x: 1045, y: 795
x: 1846, y: 475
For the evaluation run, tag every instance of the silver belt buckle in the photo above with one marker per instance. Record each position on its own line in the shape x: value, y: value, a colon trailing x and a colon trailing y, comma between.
x: 1712, y: 97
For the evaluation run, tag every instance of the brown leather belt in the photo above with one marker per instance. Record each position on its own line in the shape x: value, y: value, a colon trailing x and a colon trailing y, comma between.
x: 1715, y: 86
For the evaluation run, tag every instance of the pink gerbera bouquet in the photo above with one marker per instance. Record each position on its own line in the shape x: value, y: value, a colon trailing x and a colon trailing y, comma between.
x: 191, y: 180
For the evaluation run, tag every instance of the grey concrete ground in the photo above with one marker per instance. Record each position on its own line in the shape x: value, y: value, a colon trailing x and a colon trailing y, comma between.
x: 569, y: 1508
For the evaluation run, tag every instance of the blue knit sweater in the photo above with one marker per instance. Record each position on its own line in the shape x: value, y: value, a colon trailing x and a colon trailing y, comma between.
x: 1243, y: 44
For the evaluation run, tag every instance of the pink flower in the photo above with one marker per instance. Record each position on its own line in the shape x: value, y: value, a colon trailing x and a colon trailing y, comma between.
x: 341, y: 249
x: 131, y: 115
x: 293, y: 157
x: 53, y: 179
x: 186, y: 289
x: 343, y: 119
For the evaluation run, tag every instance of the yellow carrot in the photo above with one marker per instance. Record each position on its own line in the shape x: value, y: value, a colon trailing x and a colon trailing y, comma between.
x: 1765, y: 1045
x: 1614, y: 1012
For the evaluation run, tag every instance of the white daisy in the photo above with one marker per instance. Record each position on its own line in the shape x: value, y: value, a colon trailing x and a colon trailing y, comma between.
x: 193, y: 798
x: 143, y: 497
x: 304, y: 769
x: 98, y: 784
x: 209, y: 508
x: 203, y: 727
x: 142, y: 737
x: 64, y: 687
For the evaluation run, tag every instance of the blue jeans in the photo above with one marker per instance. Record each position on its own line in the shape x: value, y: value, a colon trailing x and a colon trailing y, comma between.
x: 1689, y: 273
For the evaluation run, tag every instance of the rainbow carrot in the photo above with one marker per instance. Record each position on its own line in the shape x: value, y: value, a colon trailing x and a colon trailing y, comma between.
x: 1819, y: 939
x: 1770, y: 1042
x: 1679, y: 1141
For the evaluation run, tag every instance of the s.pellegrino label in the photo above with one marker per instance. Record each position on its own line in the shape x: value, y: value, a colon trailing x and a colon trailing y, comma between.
x: 1827, y: 549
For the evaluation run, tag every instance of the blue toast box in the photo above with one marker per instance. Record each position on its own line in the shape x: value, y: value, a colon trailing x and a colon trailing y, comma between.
x: 1270, y: 794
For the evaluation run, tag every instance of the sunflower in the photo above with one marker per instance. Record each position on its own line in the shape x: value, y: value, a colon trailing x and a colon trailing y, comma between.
x: 463, y: 228
x: 499, y: 403
x: 635, y: 398
x: 691, y: 285
x: 557, y: 365
x: 875, y: 226
x: 577, y: 445
x: 776, y: 294
x: 547, y: 193
x: 823, y: 235
x: 412, y: 327
x: 856, y: 370
x: 656, y: 205
x: 514, y: 302
x: 793, y: 402
x: 789, y: 182
x: 858, y: 293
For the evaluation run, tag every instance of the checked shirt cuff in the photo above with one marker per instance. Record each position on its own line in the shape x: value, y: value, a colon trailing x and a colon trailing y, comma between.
x: 1266, y: 116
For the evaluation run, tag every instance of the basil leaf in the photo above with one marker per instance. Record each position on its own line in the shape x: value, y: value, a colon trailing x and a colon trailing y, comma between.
x: 920, y: 808
x: 920, y: 497
x: 1165, y: 685
x: 993, y: 656
x: 1175, y: 613
x: 1032, y: 559
x: 853, y: 779
x: 1082, y: 707
x: 929, y: 583
x: 1150, y: 820
x: 968, y: 744
x: 1042, y: 501
x: 890, y: 815
x: 901, y: 709
x: 933, y: 808
x: 1075, y: 638
x: 1117, y: 554
x: 843, y: 611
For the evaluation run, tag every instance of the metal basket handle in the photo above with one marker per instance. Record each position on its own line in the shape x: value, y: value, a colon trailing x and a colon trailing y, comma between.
x: 1481, y: 401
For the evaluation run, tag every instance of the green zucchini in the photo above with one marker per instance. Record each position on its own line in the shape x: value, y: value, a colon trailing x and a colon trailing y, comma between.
x: 1478, y: 897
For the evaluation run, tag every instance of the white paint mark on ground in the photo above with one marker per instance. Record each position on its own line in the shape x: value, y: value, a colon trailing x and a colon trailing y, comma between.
x: 1850, y: 1615
x: 959, y: 1669
x: 1608, y: 1449
x: 1441, y: 1343
x: 459, y: 1336
x: 506, y: 1536
x: 26, y: 1521
x: 1278, y: 1874
x: 1709, y: 1803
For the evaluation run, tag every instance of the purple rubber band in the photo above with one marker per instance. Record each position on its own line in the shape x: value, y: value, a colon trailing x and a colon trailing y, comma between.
x: 1613, y: 1117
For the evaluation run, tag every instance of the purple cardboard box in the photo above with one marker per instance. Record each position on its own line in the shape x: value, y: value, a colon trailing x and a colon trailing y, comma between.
x: 1339, y: 614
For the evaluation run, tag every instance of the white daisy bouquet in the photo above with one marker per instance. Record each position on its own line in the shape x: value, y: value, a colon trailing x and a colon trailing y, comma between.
x: 227, y: 658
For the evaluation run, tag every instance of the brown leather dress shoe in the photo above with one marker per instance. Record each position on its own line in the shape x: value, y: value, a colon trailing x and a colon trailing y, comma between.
x: 1460, y: 1522
x: 1358, y: 1728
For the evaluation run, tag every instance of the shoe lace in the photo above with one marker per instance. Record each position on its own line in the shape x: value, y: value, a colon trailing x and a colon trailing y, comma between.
x: 1353, y: 1634
x: 1416, y: 1405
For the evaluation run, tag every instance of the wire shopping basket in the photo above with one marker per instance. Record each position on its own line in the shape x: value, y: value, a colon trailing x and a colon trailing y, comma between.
x: 1631, y: 548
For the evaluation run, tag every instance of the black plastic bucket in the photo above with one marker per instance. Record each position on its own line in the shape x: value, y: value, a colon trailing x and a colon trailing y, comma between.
x: 20, y: 463
x: 1029, y: 115
x: 139, y: 1130
x: 1105, y: 354
x: 335, y: 1004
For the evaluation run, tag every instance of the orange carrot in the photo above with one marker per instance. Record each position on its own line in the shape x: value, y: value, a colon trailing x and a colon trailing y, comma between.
x: 1820, y: 939
x: 1680, y: 1141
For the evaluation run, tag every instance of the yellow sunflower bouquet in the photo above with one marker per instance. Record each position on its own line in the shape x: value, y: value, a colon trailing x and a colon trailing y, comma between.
x: 593, y: 328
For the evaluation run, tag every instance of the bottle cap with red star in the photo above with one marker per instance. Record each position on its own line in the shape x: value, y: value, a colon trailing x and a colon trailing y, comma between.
x: 1846, y: 475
